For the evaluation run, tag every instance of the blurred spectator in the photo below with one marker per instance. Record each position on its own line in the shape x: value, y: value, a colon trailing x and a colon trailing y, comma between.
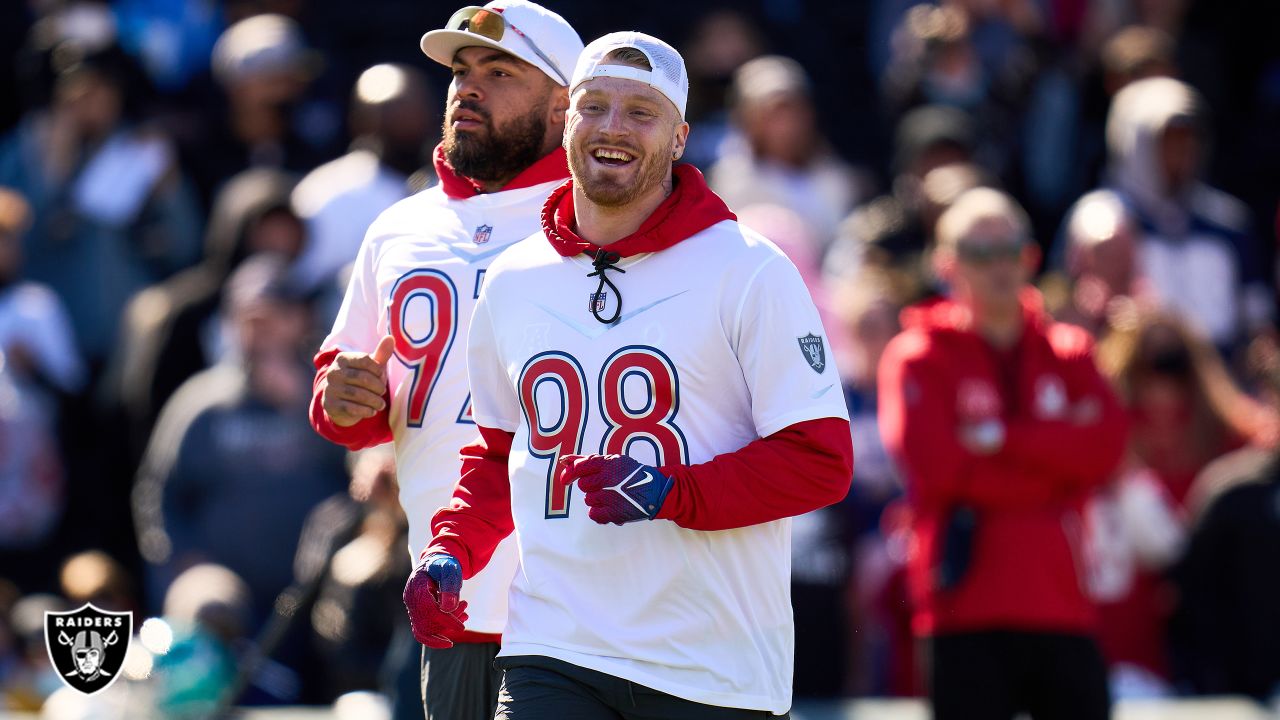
x: 889, y: 231
x: 35, y: 333
x: 721, y: 41
x: 391, y: 124
x: 1195, y: 248
x: 38, y: 362
x: 939, y: 60
x: 1003, y: 427
x: 781, y: 156
x: 1226, y: 627
x: 264, y: 69
x: 174, y: 330
x: 358, y: 610
x: 1185, y: 407
x: 1185, y: 411
x: 232, y: 469
x: 112, y: 213
x: 208, y: 609
x: 1101, y: 264
x: 95, y: 577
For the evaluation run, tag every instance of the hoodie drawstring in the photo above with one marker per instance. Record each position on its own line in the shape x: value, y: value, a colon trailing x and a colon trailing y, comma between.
x: 603, y: 261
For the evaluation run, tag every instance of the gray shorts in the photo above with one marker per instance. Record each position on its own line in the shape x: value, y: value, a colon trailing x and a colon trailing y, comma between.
x: 542, y: 688
x: 460, y: 683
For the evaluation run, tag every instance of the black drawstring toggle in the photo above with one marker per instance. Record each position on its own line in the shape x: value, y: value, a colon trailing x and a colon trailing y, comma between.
x: 603, y: 261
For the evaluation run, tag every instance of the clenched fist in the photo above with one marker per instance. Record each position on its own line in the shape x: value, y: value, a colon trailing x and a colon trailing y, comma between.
x: 431, y: 597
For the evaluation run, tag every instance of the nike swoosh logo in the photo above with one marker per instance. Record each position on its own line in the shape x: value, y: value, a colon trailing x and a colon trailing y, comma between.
x: 594, y: 329
x: 821, y: 392
x: 623, y: 487
x: 470, y: 257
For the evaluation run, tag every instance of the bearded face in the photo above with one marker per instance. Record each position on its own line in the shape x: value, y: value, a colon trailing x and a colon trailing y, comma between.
x: 480, y: 148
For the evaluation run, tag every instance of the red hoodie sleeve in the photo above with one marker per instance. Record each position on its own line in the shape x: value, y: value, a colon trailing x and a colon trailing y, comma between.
x: 1081, y: 454
x: 479, y: 515
x: 800, y: 468
x: 366, y: 433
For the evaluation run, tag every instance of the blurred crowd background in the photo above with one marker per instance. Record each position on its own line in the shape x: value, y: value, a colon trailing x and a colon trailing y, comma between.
x: 183, y: 182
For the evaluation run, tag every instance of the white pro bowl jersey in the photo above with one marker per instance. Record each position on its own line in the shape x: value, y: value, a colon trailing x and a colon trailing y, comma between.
x: 718, y: 344
x: 417, y: 276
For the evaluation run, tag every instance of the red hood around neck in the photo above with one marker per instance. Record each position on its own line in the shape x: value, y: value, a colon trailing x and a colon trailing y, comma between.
x: 552, y: 166
x: 944, y: 314
x: 688, y: 210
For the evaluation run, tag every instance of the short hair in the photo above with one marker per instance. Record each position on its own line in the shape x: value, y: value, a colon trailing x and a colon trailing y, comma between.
x: 976, y: 205
x: 630, y: 56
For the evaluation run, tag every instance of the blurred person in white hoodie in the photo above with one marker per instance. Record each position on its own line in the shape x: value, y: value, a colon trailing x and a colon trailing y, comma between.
x: 1195, y: 246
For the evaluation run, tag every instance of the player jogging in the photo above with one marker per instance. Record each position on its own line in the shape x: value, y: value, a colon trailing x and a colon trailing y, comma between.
x: 393, y: 367
x: 656, y: 380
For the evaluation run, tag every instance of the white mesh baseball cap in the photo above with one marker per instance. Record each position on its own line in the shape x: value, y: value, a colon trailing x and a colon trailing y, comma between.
x: 524, y: 29
x: 667, y: 77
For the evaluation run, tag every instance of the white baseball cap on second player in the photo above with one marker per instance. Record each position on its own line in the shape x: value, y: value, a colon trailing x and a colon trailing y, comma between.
x: 519, y: 27
x: 668, y: 75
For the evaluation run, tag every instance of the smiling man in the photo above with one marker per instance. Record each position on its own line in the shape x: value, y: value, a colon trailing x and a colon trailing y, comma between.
x: 648, y: 363
x: 393, y: 369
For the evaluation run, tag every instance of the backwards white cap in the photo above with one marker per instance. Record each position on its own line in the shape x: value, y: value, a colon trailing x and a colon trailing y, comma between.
x: 667, y: 77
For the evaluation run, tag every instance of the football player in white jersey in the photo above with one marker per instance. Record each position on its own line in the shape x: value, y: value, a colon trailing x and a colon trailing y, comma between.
x: 648, y: 363
x: 393, y: 367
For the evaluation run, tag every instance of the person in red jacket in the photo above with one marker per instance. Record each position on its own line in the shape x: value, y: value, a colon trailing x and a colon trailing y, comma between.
x: 1003, y: 427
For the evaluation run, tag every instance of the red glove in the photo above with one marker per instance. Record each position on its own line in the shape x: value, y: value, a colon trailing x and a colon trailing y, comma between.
x: 431, y: 597
x: 617, y: 488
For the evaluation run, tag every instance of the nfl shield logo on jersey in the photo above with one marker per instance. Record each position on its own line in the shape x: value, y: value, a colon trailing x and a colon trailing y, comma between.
x: 596, y: 303
x: 814, y: 352
x: 88, y: 646
x: 482, y: 234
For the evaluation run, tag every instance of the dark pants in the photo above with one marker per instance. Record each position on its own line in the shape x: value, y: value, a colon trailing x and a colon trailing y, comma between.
x: 541, y: 688
x: 460, y: 683
x: 996, y: 675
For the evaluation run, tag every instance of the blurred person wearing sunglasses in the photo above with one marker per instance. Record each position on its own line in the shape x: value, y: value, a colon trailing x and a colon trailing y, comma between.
x: 1003, y: 427
x: 412, y: 289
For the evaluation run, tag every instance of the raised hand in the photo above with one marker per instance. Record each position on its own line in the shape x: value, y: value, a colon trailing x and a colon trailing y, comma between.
x: 616, y: 488
x: 355, y: 384
x: 431, y: 597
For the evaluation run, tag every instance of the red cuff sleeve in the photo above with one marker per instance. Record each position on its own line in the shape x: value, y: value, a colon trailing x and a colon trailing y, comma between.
x: 479, y: 515
x: 798, y: 469
x: 366, y: 433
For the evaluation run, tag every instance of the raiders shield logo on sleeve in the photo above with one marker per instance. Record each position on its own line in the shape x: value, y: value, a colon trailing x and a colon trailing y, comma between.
x: 87, y: 646
x: 814, y: 352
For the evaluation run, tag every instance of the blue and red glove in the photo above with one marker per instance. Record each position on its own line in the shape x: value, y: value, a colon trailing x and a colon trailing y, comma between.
x: 431, y: 597
x: 617, y: 488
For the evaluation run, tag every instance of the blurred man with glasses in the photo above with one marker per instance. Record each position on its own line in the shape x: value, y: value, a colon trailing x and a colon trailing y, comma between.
x: 1003, y: 427
x: 393, y: 369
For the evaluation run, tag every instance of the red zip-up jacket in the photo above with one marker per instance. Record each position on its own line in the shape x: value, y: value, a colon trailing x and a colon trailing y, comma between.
x: 1065, y: 434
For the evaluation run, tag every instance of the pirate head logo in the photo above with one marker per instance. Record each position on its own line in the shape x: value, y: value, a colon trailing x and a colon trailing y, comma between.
x: 87, y: 646
x: 482, y: 235
x: 814, y: 352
